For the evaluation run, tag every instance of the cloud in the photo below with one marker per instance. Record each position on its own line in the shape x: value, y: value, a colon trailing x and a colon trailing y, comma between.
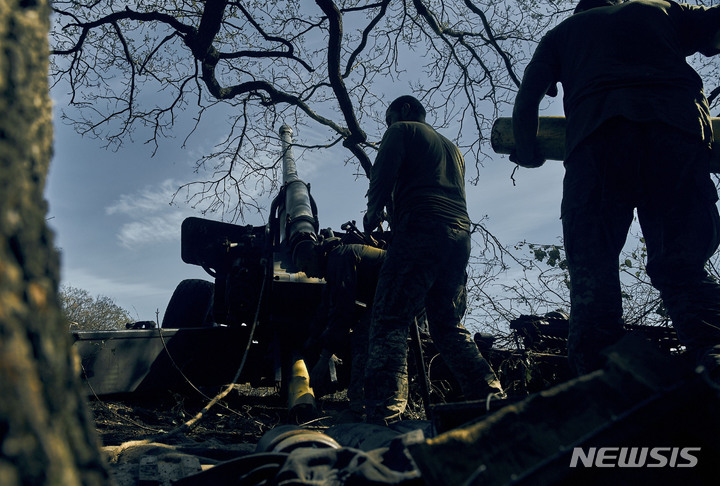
x: 150, y: 198
x: 150, y: 230
x: 153, y: 219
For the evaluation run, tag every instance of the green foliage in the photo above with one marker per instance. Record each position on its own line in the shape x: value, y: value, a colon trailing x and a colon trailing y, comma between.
x: 85, y: 312
x: 546, y: 281
x: 543, y: 284
x: 549, y: 254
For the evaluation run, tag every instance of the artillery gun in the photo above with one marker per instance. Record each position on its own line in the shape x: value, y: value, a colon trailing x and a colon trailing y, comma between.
x: 251, y: 320
x: 244, y: 261
x: 258, y: 286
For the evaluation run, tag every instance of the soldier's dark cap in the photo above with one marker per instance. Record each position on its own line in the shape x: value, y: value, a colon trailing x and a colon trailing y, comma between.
x: 589, y: 4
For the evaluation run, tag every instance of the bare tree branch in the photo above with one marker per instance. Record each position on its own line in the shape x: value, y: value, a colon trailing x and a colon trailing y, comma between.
x: 144, y: 69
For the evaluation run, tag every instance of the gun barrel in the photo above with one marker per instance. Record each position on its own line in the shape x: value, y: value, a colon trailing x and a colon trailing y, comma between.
x: 551, y: 138
x: 299, y: 224
x: 289, y: 167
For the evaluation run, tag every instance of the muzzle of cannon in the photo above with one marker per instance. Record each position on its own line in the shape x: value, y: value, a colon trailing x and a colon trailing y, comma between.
x: 551, y: 139
x: 298, y: 225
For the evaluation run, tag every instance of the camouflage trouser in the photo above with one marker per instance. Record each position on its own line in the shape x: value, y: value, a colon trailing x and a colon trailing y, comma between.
x: 665, y: 175
x: 425, y: 268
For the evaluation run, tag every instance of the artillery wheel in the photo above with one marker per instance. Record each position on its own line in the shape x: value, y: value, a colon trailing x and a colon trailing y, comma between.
x: 190, y: 305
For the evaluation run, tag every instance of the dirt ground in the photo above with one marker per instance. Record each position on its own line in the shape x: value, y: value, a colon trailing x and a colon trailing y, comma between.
x: 139, y: 432
x: 134, y: 429
x: 241, y: 417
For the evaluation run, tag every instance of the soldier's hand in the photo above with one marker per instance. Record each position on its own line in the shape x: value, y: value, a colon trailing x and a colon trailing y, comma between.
x: 370, y: 222
x: 530, y: 162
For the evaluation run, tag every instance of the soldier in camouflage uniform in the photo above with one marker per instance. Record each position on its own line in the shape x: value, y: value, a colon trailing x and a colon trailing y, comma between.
x: 420, y: 176
x: 638, y: 137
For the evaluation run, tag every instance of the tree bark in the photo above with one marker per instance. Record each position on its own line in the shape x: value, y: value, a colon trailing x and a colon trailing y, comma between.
x: 46, y: 433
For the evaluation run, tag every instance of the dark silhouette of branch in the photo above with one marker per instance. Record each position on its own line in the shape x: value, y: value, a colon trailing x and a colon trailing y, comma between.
x: 355, y: 134
x: 140, y: 68
x: 713, y: 95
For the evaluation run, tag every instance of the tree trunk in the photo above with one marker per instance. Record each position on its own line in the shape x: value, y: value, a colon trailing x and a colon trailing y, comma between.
x: 46, y: 433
